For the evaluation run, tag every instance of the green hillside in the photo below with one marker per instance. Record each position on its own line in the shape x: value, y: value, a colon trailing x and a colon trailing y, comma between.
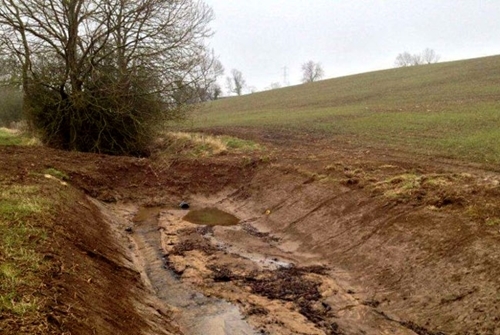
x: 446, y: 109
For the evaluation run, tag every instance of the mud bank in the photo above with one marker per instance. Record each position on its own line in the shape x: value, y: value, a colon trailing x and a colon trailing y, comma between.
x: 430, y: 271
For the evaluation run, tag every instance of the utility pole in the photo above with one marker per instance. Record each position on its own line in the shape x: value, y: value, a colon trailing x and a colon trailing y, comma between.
x: 285, y: 76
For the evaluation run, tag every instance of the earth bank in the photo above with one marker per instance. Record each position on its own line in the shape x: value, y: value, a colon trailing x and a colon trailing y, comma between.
x: 355, y: 259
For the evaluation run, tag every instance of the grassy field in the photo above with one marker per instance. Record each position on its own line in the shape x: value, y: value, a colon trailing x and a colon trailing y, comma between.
x: 449, y: 109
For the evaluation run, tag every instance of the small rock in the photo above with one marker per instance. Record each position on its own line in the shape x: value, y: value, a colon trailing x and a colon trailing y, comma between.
x: 326, y: 306
x: 184, y: 205
x: 129, y: 229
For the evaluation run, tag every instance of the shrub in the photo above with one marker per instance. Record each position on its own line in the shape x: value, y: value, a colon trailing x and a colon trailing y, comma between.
x: 11, y: 106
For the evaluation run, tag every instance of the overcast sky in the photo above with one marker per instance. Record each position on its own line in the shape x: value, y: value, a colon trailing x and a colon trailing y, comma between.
x: 261, y: 37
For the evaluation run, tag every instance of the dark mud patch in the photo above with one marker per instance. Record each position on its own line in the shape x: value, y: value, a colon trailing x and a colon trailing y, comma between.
x: 251, y: 230
x: 211, y: 217
x: 413, y: 326
x: 192, y: 244
x: 221, y: 273
x: 419, y: 329
x: 293, y: 284
x: 286, y: 284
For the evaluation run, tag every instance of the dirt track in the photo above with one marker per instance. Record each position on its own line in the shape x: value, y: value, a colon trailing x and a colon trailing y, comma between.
x: 319, y: 250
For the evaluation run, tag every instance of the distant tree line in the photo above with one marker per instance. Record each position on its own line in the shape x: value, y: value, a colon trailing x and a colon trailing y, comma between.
x: 428, y: 56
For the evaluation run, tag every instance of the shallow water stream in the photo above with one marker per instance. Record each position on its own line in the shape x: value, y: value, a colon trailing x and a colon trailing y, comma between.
x: 199, y: 314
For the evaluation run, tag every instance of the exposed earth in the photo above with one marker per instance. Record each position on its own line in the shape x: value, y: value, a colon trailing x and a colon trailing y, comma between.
x: 330, y: 239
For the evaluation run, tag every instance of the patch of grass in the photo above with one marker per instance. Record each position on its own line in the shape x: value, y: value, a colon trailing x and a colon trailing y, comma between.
x: 445, y: 109
x: 14, y: 137
x: 56, y: 173
x: 240, y: 144
x: 19, y: 262
x: 18, y: 202
x: 8, y: 137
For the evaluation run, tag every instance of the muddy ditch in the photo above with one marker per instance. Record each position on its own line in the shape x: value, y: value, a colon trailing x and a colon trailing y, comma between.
x: 235, y: 279
x: 280, y: 256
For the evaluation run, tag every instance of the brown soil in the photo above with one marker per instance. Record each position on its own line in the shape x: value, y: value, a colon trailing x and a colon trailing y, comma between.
x: 331, y: 239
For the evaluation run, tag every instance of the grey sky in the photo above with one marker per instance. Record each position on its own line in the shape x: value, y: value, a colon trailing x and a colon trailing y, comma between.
x: 260, y: 37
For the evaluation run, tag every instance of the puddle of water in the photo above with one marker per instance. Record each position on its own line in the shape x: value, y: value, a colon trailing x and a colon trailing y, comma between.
x: 211, y: 217
x: 200, y: 314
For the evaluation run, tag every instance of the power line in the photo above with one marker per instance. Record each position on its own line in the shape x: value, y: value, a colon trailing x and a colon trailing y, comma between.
x: 285, y: 76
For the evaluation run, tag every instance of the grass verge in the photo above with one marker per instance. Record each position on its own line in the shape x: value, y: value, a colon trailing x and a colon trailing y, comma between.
x: 21, y: 207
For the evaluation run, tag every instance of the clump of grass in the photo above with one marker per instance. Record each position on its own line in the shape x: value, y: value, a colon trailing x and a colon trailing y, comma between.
x: 400, y: 186
x: 338, y: 166
x: 493, y: 221
x: 485, y: 212
x: 199, y: 144
x: 18, y: 201
x: 238, y: 143
x: 9, y: 137
x: 409, y: 184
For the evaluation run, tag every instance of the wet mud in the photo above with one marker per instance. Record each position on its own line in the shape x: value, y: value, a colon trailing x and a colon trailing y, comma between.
x: 196, y: 313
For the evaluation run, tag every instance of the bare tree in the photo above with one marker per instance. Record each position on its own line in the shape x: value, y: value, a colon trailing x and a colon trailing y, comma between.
x: 207, y: 87
x: 215, y: 91
x: 274, y: 86
x: 213, y: 88
x: 236, y: 83
x: 311, y: 71
x: 97, y: 74
x: 429, y: 56
x: 405, y: 59
x: 10, y: 74
x: 417, y: 60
